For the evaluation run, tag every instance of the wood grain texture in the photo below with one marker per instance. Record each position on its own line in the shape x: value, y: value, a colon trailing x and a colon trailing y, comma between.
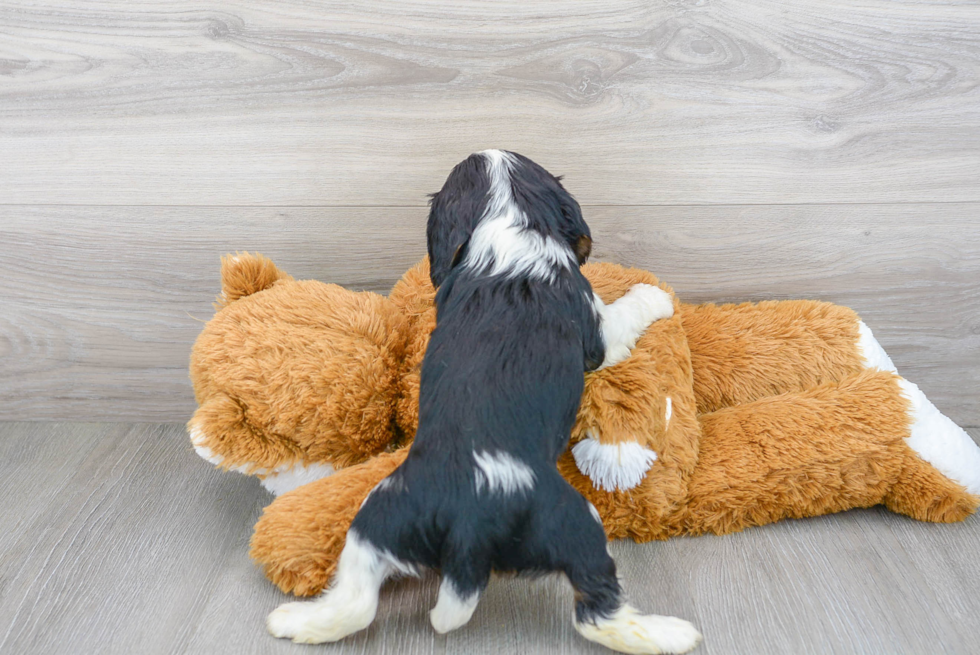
x: 101, y: 304
x: 371, y: 102
x: 117, y: 539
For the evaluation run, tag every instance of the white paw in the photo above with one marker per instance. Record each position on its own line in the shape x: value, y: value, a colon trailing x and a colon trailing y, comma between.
x: 627, y: 631
x: 296, y: 621
x: 613, y: 466
x: 287, y: 620
x: 672, y: 635
x: 653, y: 303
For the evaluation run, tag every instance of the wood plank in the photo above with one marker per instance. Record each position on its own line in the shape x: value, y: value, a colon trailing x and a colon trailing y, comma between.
x: 123, y: 556
x: 126, y: 542
x: 371, y: 102
x: 101, y: 304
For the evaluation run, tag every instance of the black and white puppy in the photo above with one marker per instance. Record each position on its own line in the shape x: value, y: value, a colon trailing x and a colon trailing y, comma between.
x: 517, y: 326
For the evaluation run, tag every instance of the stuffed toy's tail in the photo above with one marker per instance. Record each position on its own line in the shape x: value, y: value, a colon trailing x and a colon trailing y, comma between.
x: 243, y: 274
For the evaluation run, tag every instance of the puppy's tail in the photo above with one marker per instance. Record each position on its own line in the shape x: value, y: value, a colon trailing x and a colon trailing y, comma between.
x: 243, y: 274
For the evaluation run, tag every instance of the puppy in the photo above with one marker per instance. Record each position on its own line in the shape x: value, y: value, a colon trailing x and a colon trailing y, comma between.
x: 517, y: 326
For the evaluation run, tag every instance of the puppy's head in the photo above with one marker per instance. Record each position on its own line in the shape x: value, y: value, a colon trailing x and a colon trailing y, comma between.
x: 512, y: 191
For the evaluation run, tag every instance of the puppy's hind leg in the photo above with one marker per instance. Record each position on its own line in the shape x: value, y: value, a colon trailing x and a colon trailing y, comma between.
x: 454, y: 608
x: 348, y: 605
x: 465, y: 572
x: 577, y: 542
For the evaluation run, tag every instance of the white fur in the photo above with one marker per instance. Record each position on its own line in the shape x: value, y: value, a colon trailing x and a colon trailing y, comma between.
x: 348, y: 605
x: 501, y: 244
x: 514, y: 250
x: 282, y: 479
x: 628, y: 631
x: 277, y: 480
x: 669, y: 412
x: 941, y: 442
x: 501, y: 198
x: 501, y: 472
x: 872, y: 352
x: 452, y: 611
x: 595, y: 514
x: 623, y: 322
x: 613, y: 466
x: 934, y: 436
x: 198, y: 438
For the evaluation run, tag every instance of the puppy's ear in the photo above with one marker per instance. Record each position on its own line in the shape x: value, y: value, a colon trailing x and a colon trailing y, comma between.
x: 583, y: 248
x: 574, y: 228
x: 453, y: 214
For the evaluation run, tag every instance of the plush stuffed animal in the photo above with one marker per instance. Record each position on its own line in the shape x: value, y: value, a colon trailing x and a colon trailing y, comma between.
x: 723, y: 417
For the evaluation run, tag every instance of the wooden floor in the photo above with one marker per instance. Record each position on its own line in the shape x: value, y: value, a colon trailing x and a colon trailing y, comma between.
x: 117, y: 539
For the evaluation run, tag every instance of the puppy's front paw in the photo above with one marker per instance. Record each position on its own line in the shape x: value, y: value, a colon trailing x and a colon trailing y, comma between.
x: 293, y: 621
x: 652, y: 303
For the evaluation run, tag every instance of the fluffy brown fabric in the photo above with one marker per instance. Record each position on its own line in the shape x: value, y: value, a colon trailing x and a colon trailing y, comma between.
x: 773, y: 414
x: 835, y: 446
x: 741, y: 353
x: 415, y: 297
x: 243, y: 274
x: 299, y: 372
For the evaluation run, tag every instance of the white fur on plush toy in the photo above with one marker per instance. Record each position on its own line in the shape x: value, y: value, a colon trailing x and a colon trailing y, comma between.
x: 278, y: 480
x: 624, y: 321
x: 934, y: 436
x: 614, y: 466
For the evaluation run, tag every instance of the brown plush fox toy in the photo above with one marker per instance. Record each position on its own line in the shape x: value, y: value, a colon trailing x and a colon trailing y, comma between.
x: 723, y: 417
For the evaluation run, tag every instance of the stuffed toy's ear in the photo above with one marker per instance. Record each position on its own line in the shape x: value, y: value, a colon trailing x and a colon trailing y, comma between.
x: 243, y: 274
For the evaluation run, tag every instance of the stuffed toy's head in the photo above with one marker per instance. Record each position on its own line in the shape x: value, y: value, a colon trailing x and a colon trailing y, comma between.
x: 295, y: 372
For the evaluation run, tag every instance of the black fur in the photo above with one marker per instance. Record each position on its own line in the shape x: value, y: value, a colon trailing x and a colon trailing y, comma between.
x: 457, y: 209
x: 503, y: 373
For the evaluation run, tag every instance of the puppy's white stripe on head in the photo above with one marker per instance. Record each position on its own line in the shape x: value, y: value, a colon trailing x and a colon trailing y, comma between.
x: 501, y: 472
x: 501, y: 244
x: 501, y: 202
x: 452, y: 610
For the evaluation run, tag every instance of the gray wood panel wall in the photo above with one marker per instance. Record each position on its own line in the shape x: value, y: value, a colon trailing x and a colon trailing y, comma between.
x: 739, y: 149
